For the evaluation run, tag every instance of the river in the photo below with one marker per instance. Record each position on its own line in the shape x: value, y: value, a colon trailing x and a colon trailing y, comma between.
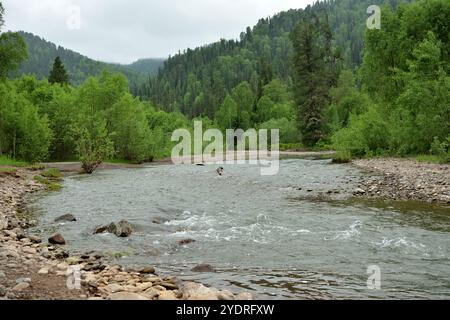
x: 279, y: 237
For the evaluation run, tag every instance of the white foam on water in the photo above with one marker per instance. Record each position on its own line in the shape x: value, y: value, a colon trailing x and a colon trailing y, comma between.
x: 351, y: 232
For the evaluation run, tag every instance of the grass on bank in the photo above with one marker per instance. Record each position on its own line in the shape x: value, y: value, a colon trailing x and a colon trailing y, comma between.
x: 50, y: 178
x: 6, y: 161
x: 8, y: 170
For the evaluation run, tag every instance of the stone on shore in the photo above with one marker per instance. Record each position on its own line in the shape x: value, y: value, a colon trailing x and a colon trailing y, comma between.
x: 21, y: 286
x: 147, y: 270
x: 126, y: 296
x: 57, y: 239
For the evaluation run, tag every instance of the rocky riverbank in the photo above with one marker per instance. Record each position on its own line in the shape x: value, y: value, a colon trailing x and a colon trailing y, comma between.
x: 31, y: 268
x: 404, y: 179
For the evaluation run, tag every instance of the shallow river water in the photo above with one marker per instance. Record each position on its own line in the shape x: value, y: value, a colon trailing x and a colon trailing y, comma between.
x: 273, y: 235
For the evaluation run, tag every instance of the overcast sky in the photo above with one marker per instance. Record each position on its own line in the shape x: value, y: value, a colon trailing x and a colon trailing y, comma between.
x: 126, y: 30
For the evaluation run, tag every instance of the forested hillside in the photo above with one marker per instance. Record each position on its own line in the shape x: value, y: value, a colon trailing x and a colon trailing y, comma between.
x: 41, y: 54
x: 196, y: 82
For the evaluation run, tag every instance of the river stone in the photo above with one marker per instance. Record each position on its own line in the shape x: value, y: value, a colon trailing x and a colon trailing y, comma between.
x: 126, y: 296
x: 186, y: 242
x: 3, y: 222
x: 152, y: 293
x: 197, y: 291
x: 35, y: 239
x: 21, y: 286
x: 203, y: 268
x: 43, y: 271
x: 225, y: 295
x: 66, y: 218
x: 123, y: 229
x: 57, y: 239
x: 114, y: 287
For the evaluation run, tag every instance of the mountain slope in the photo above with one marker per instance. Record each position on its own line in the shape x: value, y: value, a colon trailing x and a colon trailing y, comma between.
x: 197, y: 81
x: 41, y: 54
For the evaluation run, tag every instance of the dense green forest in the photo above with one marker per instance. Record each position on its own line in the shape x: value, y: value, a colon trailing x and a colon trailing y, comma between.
x: 318, y: 74
x: 41, y: 54
x: 197, y: 81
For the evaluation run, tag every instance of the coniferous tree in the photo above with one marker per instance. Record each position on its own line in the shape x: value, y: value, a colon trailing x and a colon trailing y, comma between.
x: 58, y: 73
x: 314, y: 75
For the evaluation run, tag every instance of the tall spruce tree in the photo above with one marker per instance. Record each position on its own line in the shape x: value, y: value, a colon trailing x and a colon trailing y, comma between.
x: 315, y: 73
x: 58, y: 73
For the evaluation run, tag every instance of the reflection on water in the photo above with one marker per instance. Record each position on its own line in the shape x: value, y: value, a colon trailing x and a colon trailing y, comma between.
x: 297, y: 235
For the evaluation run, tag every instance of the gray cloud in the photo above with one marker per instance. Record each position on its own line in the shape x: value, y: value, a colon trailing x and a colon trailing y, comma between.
x: 123, y: 31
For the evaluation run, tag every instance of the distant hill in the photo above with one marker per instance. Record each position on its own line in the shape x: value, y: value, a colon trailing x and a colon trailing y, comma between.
x: 42, y: 53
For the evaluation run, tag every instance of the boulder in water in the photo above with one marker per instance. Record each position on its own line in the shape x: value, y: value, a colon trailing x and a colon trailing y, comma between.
x: 122, y: 229
x: 203, y: 268
x: 66, y: 218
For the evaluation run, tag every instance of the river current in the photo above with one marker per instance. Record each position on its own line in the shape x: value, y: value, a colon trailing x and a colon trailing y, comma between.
x: 296, y: 235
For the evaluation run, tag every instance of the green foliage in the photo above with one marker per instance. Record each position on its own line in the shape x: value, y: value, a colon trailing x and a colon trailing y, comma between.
x: 405, y: 69
x: 366, y: 134
x: 314, y: 63
x: 288, y: 129
x: 12, y: 52
x: 58, y: 74
x: 52, y: 173
x: 6, y: 161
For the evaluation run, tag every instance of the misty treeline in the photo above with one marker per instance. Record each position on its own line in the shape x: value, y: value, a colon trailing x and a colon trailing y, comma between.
x: 316, y: 74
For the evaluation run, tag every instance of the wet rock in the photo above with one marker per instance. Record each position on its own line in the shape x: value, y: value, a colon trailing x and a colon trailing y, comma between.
x: 203, y: 268
x: 359, y: 191
x: 186, y: 242
x: 123, y: 229
x: 66, y: 218
x: 126, y: 296
x: 111, y: 228
x: 57, y: 239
